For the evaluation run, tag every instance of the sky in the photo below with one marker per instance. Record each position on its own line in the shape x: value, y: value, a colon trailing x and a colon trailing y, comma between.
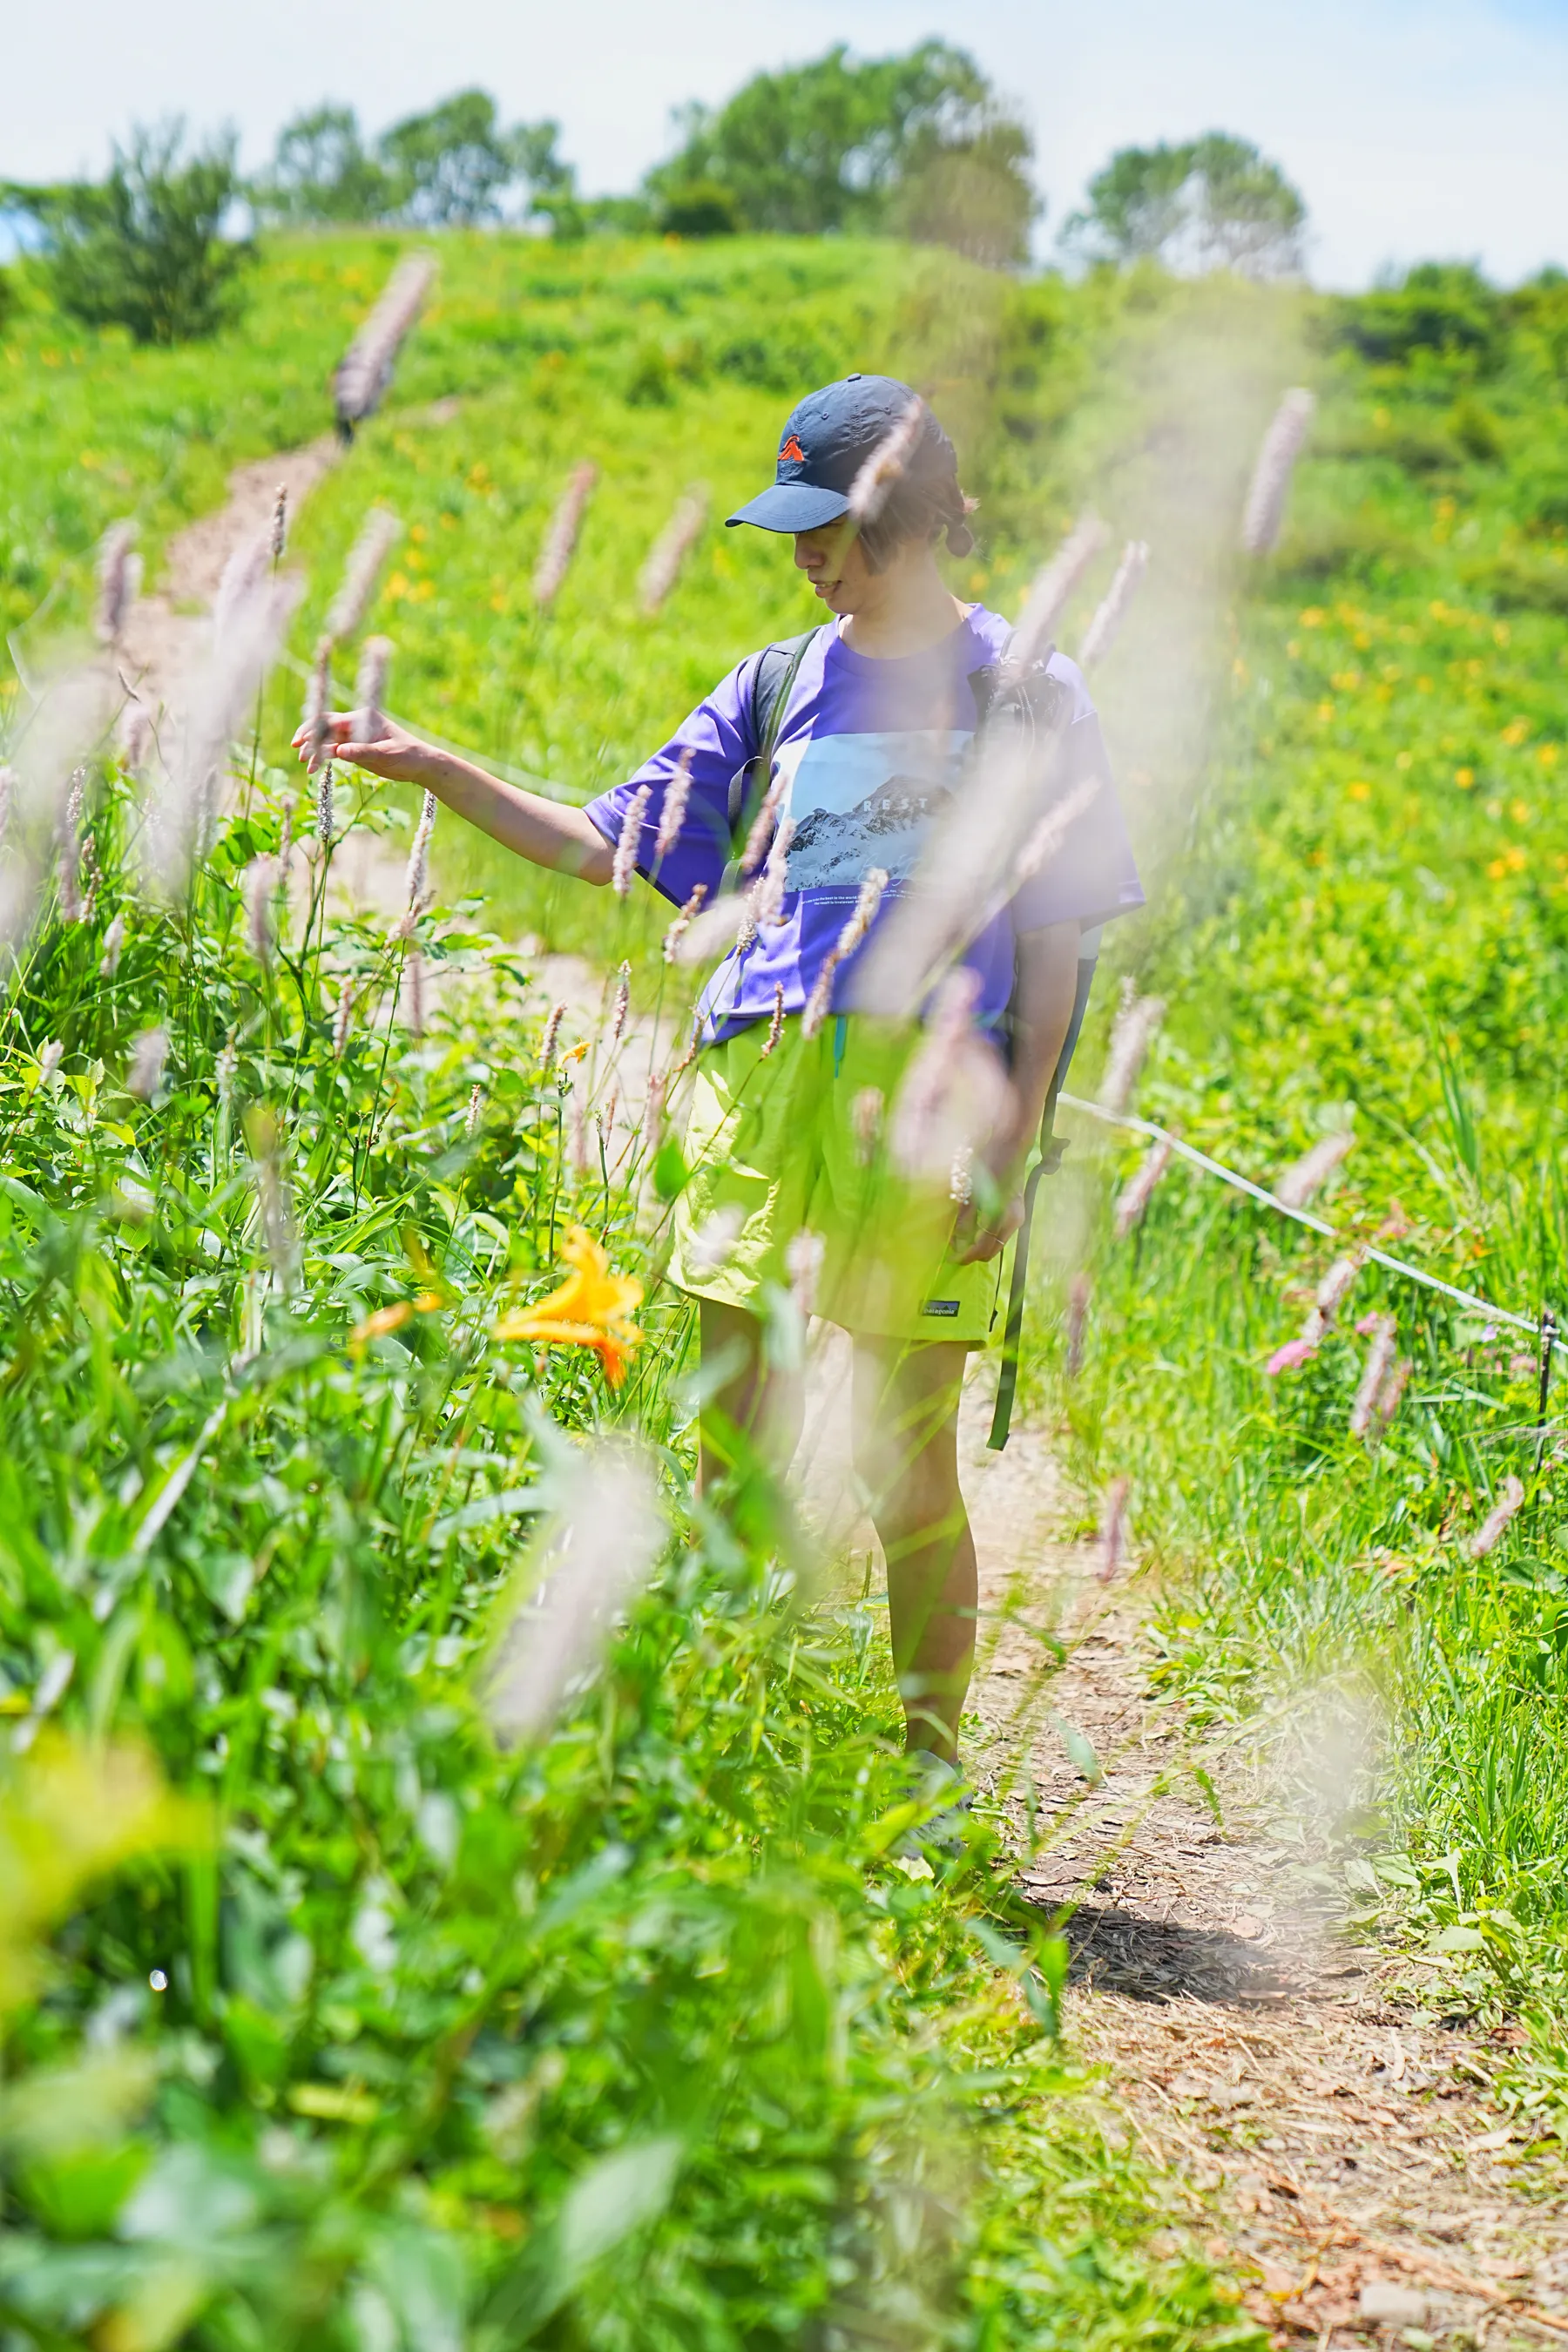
x: 1415, y: 129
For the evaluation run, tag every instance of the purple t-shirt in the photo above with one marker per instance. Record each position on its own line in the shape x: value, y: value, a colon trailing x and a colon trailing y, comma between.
x: 869, y: 751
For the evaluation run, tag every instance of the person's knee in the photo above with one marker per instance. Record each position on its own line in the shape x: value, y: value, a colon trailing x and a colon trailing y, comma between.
x: 925, y: 1506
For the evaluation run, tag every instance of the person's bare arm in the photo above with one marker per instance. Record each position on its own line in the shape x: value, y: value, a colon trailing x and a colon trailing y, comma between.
x: 1043, y: 997
x: 548, y: 833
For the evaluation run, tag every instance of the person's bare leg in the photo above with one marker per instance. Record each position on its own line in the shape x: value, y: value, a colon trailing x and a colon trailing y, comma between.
x: 756, y: 1401
x: 906, y: 1449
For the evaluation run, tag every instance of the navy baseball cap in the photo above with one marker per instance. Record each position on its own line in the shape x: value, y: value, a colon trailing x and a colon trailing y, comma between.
x: 826, y: 439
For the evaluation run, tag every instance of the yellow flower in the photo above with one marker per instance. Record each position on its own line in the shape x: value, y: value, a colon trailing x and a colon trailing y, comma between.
x: 573, y: 1053
x: 1516, y: 730
x: 589, y: 1309
x: 1464, y: 778
x: 1359, y: 791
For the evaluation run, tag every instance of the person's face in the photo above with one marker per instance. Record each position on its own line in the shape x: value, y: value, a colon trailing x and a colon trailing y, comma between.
x: 834, y: 562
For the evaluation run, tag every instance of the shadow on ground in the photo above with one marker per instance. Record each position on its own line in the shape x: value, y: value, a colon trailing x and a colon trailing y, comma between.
x: 1114, y: 1950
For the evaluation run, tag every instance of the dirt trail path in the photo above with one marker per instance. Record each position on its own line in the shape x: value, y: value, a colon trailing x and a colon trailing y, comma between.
x: 166, y: 630
x: 1320, y: 2133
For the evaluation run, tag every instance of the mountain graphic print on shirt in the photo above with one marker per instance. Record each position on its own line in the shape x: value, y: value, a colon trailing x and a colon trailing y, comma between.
x: 859, y: 801
x: 869, y: 755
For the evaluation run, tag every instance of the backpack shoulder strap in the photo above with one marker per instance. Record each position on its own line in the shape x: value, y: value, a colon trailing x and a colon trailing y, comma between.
x: 773, y: 674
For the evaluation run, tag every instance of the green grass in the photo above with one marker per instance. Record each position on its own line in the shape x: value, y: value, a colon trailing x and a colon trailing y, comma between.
x: 1371, y: 921
x: 380, y: 2031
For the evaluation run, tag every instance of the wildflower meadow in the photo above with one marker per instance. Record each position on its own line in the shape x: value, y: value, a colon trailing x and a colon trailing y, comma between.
x: 458, y: 1886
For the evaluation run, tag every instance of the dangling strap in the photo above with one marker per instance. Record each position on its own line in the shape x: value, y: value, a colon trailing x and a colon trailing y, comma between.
x: 1050, y: 1160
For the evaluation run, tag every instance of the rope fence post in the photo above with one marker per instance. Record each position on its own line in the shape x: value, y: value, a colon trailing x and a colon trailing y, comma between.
x: 1547, y: 1347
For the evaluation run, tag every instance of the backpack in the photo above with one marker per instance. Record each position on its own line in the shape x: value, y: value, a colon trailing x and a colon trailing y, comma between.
x: 773, y: 674
x: 1036, y: 703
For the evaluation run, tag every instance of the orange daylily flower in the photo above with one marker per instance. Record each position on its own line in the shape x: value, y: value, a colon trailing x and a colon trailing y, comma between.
x: 393, y: 1319
x: 589, y: 1310
x: 377, y: 1326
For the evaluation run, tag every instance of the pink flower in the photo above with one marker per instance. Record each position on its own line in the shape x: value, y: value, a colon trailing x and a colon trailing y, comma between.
x: 1291, y: 1357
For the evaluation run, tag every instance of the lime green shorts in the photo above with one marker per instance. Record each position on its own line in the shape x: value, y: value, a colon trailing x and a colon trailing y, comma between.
x: 795, y: 1143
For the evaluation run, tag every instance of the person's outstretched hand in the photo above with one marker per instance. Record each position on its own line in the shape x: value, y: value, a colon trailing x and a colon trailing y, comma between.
x: 391, y: 752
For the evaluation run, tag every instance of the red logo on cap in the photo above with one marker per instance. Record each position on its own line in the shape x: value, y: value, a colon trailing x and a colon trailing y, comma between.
x: 792, y: 448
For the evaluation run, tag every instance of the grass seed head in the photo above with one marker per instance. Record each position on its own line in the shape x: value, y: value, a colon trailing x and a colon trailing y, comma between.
x: 418, y: 876
x: 880, y: 473
x: 364, y: 371
x: 1139, y: 1191
x: 561, y: 539
x: 712, y: 1245
x: 378, y: 535
x: 260, y: 884
x: 1130, y: 1038
x: 1336, y: 1286
x: 625, y: 863
x: 593, y: 1559
x: 370, y: 687
x: 1270, y: 484
x: 670, y: 548
x: 1113, y: 1529
x: 866, y: 1123
x: 1111, y: 613
x: 672, y: 808
x: 775, y: 1024
x: 148, y: 1054
x: 69, y: 864
x: 119, y: 581
x: 1489, y: 1533
x: 653, y: 1112
x: 819, y: 1003
x: 1078, y: 1290
x: 1374, y: 1373
x: 552, y: 1032
x: 622, y: 1005
x: 113, y: 947
x: 802, y: 1264
x: 318, y: 702
x: 1052, y: 591
x: 683, y: 922
x: 1307, y: 1176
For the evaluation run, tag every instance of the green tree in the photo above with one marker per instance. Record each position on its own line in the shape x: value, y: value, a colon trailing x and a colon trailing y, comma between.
x: 145, y: 249
x: 842, y: 143
x: 321, y: 170
x: 450, y: 168
x: 1213, y: 202
x: 972, y: 193
x: 1137, y: 205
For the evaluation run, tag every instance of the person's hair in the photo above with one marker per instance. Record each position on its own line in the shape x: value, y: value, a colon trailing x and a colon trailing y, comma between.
x: 921, y: 504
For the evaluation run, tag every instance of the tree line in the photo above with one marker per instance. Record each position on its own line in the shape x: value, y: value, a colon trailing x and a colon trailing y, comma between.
x: 920, y: 145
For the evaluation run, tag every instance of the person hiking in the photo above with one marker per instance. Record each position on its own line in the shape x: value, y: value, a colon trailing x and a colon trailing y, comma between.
x: 846, y: 779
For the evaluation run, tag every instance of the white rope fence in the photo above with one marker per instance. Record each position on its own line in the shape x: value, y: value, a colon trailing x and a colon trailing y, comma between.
x: 1239, y: 1184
